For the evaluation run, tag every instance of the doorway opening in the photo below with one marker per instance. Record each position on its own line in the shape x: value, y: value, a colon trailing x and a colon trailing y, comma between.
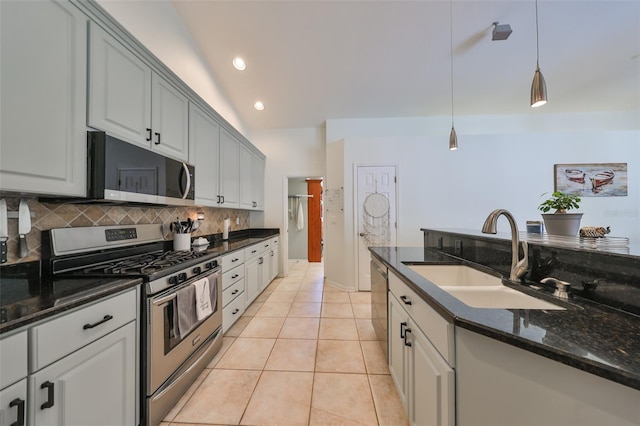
x: 305, y: 219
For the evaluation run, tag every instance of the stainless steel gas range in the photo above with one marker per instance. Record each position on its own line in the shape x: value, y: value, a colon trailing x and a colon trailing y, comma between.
x: 175, y: 345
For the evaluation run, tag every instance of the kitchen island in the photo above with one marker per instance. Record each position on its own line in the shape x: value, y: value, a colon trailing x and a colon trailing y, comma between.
x: 577, y: 365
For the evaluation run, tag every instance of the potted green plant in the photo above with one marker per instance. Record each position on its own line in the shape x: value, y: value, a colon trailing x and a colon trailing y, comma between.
x: 560, y: 222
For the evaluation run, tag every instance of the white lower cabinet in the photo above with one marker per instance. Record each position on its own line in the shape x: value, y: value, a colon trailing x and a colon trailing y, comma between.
x: 93, y: 386
x: 423, y: 378
x: 233, y: 287
x: 13, y: 378
x: 253, y: 274
x: 84, y: 365
x: 13, y: 404
x: 500, y: 384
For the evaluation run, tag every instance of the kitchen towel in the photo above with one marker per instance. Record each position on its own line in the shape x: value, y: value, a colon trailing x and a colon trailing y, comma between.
x: 300, y: 224
x: 203, y: 299
x: 184, y: 311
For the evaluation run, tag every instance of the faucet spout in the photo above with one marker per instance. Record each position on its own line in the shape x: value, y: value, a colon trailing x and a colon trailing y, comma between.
x: 519, y: 267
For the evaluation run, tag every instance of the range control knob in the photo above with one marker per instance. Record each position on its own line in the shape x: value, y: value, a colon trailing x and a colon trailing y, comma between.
x: 182, y: 277
x: 173, y: 280
x: 197, y: 270
x: 211, y: 265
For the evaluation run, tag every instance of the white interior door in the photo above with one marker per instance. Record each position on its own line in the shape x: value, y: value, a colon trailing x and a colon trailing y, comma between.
x: 376, y: 215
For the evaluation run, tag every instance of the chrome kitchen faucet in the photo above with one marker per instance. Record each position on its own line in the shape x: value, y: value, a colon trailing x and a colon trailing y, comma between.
x: 518, y: 267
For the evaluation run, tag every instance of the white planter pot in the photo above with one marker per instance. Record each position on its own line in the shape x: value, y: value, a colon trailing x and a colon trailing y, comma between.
x: 567, y: 224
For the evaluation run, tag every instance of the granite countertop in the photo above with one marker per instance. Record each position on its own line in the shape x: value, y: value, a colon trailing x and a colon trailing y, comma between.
x: 586, y: 335
x: 27, y: 297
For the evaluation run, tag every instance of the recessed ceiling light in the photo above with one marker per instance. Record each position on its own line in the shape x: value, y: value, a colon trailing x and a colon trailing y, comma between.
x: 239, y: 64
x: 258, y: 105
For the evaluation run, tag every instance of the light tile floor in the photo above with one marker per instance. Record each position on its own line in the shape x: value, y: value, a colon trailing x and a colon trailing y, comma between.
x: 304, y: 353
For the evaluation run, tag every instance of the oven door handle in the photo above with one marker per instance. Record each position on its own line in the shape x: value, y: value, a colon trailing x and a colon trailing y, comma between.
x: 165, y: 299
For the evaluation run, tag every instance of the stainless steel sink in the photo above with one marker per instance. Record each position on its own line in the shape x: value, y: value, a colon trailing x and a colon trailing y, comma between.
x: 479, y: 289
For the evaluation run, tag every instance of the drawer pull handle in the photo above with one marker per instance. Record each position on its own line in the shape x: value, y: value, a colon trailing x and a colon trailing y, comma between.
x: 102, y: 321
x: 235, y: 311
x: 406, y: 334
x: 405, y: 300
x: 235, y: 291
x: 254, y: 251
x: 235, y: 260
x: 49, y: 386
x: 234, y: 276
x: 20, y: 418
x: 402, y: 326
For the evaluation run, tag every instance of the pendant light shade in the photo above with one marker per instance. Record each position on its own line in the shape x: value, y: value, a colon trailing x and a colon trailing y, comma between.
x: 538, y: 90
x: 538, y: 86
x: 453, y: 139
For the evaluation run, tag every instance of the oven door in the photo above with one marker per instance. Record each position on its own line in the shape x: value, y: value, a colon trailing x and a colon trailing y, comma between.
x: 166, y: 351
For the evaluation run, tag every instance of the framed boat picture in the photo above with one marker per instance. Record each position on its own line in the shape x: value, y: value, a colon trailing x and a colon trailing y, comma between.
x: 592, y: 179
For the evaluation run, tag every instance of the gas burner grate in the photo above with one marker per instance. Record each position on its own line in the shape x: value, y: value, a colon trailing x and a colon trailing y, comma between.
x: 144, y: 264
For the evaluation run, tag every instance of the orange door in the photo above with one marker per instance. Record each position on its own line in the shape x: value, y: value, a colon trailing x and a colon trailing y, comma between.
x: 314, y: 207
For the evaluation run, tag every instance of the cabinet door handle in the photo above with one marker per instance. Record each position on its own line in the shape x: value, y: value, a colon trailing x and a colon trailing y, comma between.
x: 20, y: 418
x: 157, y: 142
x: 222, y: 196
x: 402, y: 326
x: 406, y: 334
x: 405, y: 300
x: 102, y: 321
x: 49, y: 386
x: 148, y: 134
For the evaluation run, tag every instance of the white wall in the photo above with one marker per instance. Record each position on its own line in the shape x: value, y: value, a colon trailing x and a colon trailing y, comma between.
x: 503, y: 162
x: 157, y: 25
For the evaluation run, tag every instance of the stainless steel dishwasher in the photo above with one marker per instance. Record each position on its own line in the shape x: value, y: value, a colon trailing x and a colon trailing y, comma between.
x: 379, y: 289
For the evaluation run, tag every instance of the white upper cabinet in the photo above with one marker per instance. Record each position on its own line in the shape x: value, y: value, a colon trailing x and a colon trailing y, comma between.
x: 258, y: 182
x: 119, y: 89
x: 130, y: 101
x: 204, y: 137
x: 43, y: 48
x: 170, y: 119
x: 251, y: 179
x: 246, y: 177
x: 229, y: 170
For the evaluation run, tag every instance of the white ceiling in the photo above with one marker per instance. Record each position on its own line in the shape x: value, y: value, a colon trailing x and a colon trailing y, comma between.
x: 310, y: 61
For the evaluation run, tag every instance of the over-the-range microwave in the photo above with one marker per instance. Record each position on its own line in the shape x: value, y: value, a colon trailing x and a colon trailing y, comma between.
x: 121, y: 172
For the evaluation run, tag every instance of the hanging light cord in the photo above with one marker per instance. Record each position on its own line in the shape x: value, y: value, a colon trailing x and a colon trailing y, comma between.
x: 451, y: 54
x: 537, y: 40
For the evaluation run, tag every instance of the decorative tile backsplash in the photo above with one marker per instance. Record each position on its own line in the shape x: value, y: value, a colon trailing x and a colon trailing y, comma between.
x: 49, y: 215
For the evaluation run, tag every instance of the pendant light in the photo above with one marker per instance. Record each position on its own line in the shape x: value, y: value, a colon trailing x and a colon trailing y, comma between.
x: 453, y: 137
x: 538, y: 87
